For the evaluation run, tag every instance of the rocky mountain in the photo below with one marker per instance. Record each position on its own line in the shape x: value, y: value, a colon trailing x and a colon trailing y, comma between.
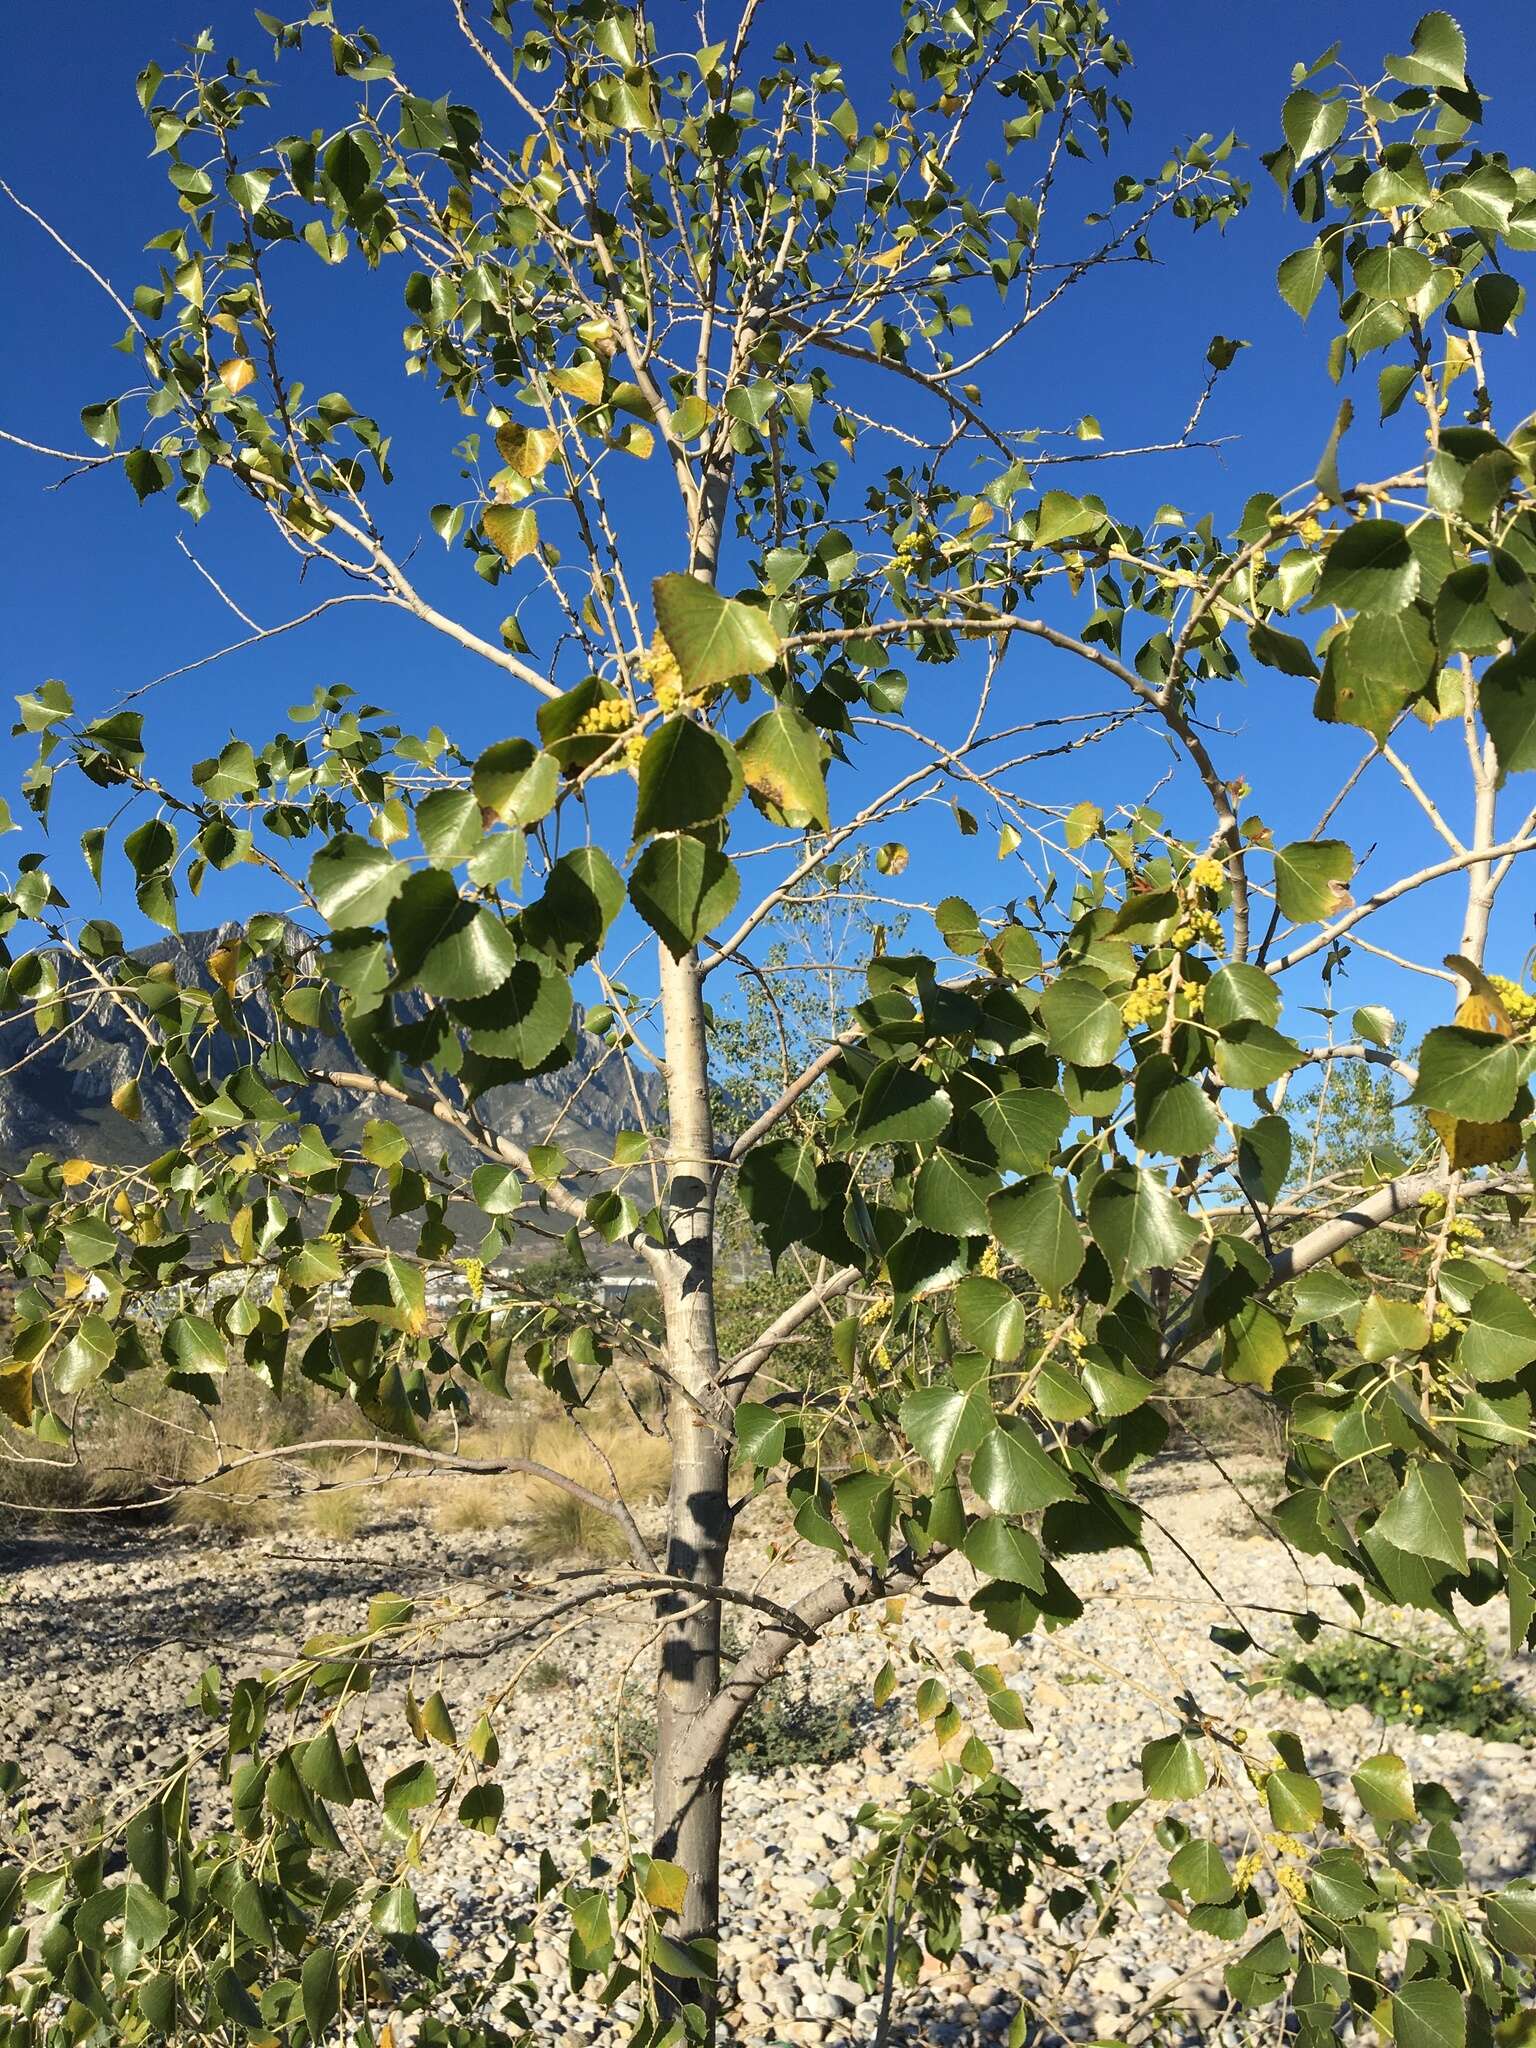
x: 55, y: 1096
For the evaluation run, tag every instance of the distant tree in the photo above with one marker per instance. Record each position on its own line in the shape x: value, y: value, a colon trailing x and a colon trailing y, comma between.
x: 812, y: 319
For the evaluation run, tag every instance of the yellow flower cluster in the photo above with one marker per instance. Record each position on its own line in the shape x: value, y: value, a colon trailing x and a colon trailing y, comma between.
x: 1207, y: 873
x: 1198, y: 927
x: 1146, y: 1001
x: 474, y: 1276
x: 658, y: 666
x: 607, y: 715
x: 1519, y: 1003
x: 987, y: 1264
x: 1289, y: 1874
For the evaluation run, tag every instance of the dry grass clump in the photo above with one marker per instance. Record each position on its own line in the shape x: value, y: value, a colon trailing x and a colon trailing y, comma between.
x: 245, y: 1502
x: 553, y: 1522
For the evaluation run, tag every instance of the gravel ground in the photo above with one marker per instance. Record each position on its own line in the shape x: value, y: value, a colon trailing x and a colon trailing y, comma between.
x: 104, y: 1636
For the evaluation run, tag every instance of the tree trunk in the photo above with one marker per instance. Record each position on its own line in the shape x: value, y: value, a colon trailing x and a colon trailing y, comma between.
x: 688, y: 1802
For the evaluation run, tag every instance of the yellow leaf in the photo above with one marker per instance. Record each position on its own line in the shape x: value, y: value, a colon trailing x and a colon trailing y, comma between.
x: 16, y: 1392
x: 1467, y: 1144
x: 511, y: 530
x: 127, y: 1101
x: 123, y: 1205
x: 74, y: 1171
x: 224, y: 967
x: 665, y: 1885
x: 236, y: 373
x: 1475, y: 1144
x: 635, y: 440
x: 528, y: 450
x: 581, y: 380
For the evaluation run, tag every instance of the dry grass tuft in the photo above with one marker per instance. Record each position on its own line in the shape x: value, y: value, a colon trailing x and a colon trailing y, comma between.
x: 244, y: 1502
x: 338, y: 1513
x: 553, y: 1522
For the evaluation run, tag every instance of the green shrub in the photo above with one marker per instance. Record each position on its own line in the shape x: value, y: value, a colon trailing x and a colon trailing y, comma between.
x: 1416, y: 1680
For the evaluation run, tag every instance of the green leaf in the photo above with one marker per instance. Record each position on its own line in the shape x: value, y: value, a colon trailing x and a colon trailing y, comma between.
x: 1251, y: 1055
x: 899, y: 1107
x: 525, y: 1017
x: 517, y: 781
x: 351, y: 163
x: 445, y: 945
x: 1200, y: 1869
x: 712, y: 638
x: 1385, y: 1789
x: 760, y: 1431
x: 320, y: 1989
x: 1239, y: 994
x: 1506, y: 696
x: 683, y: 889
x: 999, y: 1550
x: 1369, y: 567
x: 1439, y: 54
x: 1310, y: 878
x: 781, y: 757
x: 1034, y: 1223
x: 1301, y: 277
x: 951, y: 1197
x: 1374, y: 669
x: 1015, y: 1474
x: 1472, y: 1075
x: 90, y: 1240
x: 1138, y: 1223
x: 1171, y: 1768
x: 1429, y: 2013
x: 1293, y: 657
x: 1174, y: 1117
x: 192, y: 1344
x: 943, y: 1424
x: 1392, y: 272
x: 1500, y: 1337
x: 1386, y: 1328
x: 1023, y: 1127
x: 688, y: 776
x: 1485, y: 304
x: 1264, y: 1158
x: 497, y: 1191
x: 779, y: 1189
x: 1082, y: 1024
x: 1511, y: 1916
x: 1426, y: 1518
x: 1311, y: 124
x: 448, y: 825
x: 992, y: 1319
x: 1295, y: 1801
x: 353, y: 881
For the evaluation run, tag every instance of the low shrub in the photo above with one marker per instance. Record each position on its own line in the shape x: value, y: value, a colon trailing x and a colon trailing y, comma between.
x: 1417, y: 1680
x: 785, y: 1725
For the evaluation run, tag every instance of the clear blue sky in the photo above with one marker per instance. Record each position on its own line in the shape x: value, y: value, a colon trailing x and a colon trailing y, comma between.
x: 95, y: 591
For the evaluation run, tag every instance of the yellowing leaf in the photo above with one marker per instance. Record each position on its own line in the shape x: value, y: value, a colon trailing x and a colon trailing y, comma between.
x: 16, y: 1392
x: 511, y: 530
x: 528, y: 450
x: 665, y: 1885
x: 224, y: 968
x: 581, y: 380
x: 127, y: 1101
x: 236, y: 373
x: 74, y: 1171
x: 1469, y: 1144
